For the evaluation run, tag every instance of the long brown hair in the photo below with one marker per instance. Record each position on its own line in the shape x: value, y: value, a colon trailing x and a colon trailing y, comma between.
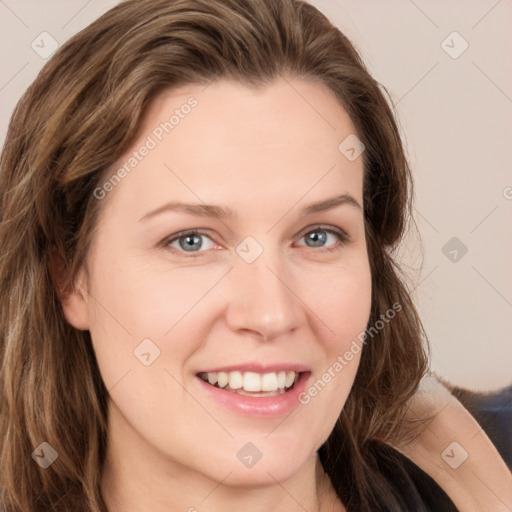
x: 77, y: 118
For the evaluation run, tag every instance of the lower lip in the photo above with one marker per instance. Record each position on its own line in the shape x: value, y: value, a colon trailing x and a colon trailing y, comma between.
x: 265, y: 406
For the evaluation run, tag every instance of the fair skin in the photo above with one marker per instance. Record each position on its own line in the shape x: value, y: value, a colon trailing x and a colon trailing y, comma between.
x: 265, y: 154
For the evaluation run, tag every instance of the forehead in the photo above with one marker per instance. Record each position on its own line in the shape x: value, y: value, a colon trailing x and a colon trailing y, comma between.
x: 229, y: 143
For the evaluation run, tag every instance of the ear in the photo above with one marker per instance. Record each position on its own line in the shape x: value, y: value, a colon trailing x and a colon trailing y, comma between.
x: 73, y: 297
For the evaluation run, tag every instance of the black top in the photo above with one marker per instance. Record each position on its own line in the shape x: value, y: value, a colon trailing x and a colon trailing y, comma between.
x: 417, y: 490
x: 391, y: 482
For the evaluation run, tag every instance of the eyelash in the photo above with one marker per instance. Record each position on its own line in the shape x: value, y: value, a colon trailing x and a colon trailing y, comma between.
x: 342, y: 237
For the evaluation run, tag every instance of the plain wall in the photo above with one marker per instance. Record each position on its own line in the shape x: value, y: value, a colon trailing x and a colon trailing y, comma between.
x: 456, y: 116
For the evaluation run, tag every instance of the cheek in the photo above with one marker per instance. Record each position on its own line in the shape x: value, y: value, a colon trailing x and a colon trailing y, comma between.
x: 133, y: 302
x: 341, y: 300
x: 136, y: 298
x: 343, y: 306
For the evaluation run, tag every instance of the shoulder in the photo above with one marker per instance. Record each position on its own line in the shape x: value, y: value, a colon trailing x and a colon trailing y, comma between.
x: 456, y: 451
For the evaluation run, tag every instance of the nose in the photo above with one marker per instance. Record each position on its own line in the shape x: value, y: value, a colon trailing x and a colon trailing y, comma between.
x: 262, y: 298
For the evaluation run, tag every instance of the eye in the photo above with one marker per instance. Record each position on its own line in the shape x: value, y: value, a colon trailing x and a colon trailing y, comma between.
x: 188, y: 241
x: 319, y: 236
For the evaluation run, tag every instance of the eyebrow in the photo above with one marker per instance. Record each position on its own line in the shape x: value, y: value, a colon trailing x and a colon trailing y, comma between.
x: 222, y: 212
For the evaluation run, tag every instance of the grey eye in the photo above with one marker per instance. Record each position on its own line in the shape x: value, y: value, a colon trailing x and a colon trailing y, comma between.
x: 318, y: 237
x: 191, y: 241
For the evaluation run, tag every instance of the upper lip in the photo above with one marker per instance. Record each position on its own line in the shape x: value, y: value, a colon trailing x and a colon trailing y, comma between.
x: 260, y: 368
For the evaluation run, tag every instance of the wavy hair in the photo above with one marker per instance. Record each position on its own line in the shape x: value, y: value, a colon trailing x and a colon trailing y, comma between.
x: 73, y: 123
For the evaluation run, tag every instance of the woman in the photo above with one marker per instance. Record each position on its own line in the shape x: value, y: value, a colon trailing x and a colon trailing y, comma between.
x: 257, y: 372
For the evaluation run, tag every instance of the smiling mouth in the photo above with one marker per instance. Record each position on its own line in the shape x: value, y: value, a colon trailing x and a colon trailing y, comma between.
x: 252, y: 383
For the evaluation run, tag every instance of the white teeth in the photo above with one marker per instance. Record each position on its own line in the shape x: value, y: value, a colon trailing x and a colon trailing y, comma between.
x: 251, y: 381
x: 222, y: 378
x: 269, y: 382
x: 290, y: 377
x: 235, y: 380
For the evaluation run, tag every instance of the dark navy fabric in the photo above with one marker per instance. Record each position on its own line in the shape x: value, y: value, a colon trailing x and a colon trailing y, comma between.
x: 493, y: 411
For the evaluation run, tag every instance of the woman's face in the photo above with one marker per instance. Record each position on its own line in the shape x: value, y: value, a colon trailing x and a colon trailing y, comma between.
x: 268, y: 289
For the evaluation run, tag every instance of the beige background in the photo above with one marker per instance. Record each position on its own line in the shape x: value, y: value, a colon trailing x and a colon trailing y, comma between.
x: 456, y: 114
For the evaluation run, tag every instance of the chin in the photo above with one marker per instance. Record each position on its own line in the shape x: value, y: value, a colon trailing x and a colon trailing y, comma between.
x: 264, y: 461
x: 262, y: 475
